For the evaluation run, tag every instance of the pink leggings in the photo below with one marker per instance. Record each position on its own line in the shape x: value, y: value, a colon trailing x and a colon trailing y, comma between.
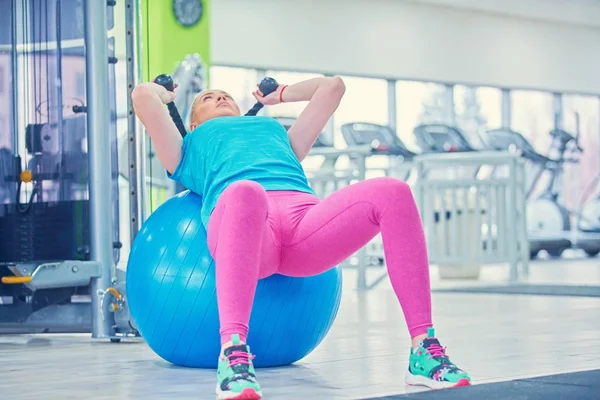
x: 254, y: 233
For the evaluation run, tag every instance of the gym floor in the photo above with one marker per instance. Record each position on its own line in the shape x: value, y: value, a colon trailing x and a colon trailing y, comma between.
x: 495, y: 337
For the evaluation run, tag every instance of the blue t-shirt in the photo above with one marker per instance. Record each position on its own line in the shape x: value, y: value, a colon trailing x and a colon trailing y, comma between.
x: 224, y: 150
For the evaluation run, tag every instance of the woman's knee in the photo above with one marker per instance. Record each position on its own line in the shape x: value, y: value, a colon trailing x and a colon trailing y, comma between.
x: 248, y: 192
x: 390, y: 188
x: 393, y: 195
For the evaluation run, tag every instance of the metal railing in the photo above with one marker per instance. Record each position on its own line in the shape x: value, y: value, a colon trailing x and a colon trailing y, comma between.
x: 473, y: 220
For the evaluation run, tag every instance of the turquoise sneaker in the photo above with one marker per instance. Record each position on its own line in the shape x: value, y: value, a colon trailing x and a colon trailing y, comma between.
x: 236, y: 378
x: 430, y: 366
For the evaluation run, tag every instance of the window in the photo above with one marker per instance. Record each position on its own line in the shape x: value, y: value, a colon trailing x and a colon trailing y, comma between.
x: 533, y: 117
x: 366, y: 100
x: 73, y: 84
x: 579, y: 179
x: 5, y: 102
x: 477, y: 109
x: 2, y: 80
x: 238, y: 82
x: 5, y: 139
x: 419, y: 103
x: 80, y: 88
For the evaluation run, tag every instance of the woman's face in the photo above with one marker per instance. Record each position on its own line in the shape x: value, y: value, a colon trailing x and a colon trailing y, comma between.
x: 211, y: 104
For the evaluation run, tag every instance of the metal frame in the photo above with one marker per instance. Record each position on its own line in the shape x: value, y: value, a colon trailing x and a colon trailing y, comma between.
x: 99, y: 157
x: 451, y: 116
x: 15, y: 75
x: 506, y: 109
x: 392, y: 106
x: 135, y: 134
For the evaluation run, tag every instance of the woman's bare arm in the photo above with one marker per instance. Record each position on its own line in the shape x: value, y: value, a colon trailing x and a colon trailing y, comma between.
x: 149, y: 101
x: 323, y: 94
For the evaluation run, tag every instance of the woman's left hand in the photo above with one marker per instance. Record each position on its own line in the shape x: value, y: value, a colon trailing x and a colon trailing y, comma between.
x: 271, y: 99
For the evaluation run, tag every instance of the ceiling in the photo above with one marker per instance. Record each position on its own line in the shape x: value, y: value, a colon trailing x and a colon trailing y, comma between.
x: 584, y: 13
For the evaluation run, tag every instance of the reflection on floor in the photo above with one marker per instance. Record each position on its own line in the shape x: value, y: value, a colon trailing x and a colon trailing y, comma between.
x: 494, y: 337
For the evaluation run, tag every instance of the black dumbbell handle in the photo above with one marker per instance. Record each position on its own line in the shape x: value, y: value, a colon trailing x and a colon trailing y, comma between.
x: 166, y: 81
x: 267, y: 86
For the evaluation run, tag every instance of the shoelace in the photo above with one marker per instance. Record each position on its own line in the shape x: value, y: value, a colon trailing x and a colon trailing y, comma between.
x: 435, y: 350
x: 239, y: 358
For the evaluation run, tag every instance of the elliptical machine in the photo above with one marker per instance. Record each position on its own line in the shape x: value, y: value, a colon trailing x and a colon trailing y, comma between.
x: 548, y: 221
x: 589, y: 214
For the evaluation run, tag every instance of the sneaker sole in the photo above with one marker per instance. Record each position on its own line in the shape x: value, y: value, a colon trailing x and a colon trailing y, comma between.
x: 246, y: 394
x: 419, y: 380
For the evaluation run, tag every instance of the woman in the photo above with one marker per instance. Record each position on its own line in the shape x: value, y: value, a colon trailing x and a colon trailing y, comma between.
x: 263, y: 218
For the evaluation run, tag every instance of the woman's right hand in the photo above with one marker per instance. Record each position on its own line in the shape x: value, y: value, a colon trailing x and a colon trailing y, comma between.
x: 150, y: 88
x: 165, y: 96
x: 149, y: 99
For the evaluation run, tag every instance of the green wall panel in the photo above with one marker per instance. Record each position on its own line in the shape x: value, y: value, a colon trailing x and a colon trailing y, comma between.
x: 165, y: 42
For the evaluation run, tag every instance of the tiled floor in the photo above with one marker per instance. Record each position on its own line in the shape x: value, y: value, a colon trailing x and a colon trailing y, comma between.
x: 494, y: 337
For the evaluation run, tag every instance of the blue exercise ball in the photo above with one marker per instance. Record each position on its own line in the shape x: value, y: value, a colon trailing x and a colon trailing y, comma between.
x: 170, y: 286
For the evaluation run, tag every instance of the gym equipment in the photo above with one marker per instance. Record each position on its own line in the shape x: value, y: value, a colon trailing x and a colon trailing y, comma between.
x: 166, y: 81
x: 267, y: 86
x: 172, y: 297
x: 190, y: 76
x: 383, y: 141
x: 191, y: 79
x: 470, y: 217
x: 590, y: 211
x: 545, y: 217
x: 441, y: 138
x: 382, y: 138
x: 548, y: 221
x: 58, y: 246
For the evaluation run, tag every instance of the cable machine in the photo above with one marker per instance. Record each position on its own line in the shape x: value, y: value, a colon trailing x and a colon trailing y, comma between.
x: 59, y: 236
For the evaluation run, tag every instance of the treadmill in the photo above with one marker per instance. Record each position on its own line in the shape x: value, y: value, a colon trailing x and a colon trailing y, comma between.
x: 441, y: 138
x: 382, y: 141
x: 381, y: 138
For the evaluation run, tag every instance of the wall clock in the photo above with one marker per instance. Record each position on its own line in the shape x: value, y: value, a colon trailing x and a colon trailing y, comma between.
x: 188, y: 12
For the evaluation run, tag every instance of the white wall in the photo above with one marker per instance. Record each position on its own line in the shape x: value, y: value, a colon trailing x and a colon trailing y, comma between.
x: 578, y: 12
x: 408, y: 40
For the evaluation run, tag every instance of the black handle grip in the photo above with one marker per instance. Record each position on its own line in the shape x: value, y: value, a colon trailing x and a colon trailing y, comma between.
x: 267, y: 86
x: 166, y: 81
